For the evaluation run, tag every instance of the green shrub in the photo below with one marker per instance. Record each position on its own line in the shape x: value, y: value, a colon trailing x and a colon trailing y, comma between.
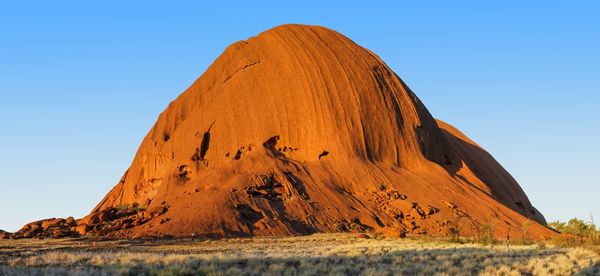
x: 485, y: 234
x: 575, y: 232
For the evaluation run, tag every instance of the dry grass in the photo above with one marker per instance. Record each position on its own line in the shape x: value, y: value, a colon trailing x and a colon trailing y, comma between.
x: 308, y: 255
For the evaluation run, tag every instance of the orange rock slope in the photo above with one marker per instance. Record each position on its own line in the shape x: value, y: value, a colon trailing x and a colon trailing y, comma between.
x: 301, y: 130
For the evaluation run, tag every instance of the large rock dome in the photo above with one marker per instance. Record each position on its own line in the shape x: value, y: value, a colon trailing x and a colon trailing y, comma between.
x: 301, y: 130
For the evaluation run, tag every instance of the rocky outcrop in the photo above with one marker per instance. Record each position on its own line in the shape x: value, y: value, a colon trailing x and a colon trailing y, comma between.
x: 103, y: 223
x: 47, y: 228
x: 111, y: 220
x: 300, y: 130
x: 4, y: 235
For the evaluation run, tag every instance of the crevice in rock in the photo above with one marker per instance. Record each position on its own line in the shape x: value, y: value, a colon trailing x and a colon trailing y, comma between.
x: 323, y: 154
x: 267, y: 186
x: 447, y: 160
x: 183, y: 173
x: 271, y: 142
x: 240, y: 69
x: 520, y: 204
x: 297, y: 184
x: 238, y: 154
x: 247, y: 214
x: 204, y: 144
x: 271, y: 146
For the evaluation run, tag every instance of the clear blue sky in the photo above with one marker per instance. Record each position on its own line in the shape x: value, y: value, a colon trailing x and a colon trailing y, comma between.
x: 81, y: 84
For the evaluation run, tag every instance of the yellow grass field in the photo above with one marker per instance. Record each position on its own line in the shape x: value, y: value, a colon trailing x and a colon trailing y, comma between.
x: 332, y: 254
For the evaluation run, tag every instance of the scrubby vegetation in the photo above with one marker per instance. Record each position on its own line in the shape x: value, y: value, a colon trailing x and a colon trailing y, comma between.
x: 340, y: 254
x: 577, y: 227
x: 577, y: 233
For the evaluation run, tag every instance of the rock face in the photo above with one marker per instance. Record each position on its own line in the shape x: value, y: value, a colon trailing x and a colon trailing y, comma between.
x: 301, y: 130
x: 47, y: 228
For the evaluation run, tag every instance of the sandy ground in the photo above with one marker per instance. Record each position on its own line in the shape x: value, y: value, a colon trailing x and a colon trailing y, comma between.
x: 333, y: 254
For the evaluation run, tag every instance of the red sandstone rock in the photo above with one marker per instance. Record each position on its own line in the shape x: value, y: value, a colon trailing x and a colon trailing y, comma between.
x: 391, y: 232
x: 301, y: 130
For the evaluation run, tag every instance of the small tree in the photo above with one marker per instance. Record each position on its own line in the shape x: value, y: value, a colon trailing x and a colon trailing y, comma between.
x: 485, y: 233
x: 558, y: 226
x: 454, y: 228
x: 594, y: 230
x: 525, y: 232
